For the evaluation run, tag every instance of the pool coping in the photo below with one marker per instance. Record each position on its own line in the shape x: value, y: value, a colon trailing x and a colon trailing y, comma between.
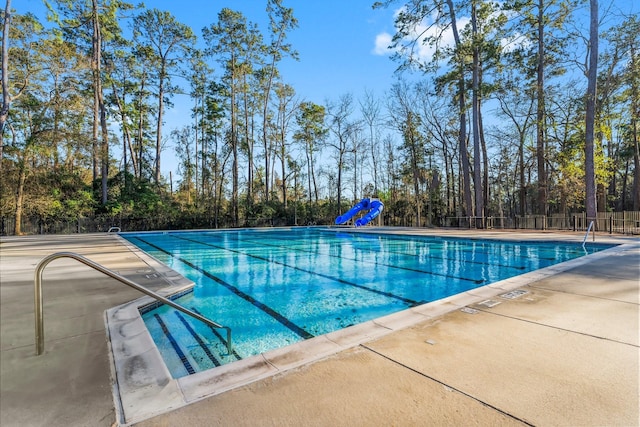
x: 144, y: 388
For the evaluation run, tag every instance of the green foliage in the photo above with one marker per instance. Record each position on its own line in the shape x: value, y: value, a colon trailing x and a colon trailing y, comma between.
x: 50, y: 149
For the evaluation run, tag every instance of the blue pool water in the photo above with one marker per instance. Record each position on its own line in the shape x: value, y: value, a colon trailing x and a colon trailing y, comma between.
x: 275, y: 287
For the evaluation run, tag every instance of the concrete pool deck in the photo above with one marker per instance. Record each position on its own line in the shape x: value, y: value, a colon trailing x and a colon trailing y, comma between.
x: 564, y: 353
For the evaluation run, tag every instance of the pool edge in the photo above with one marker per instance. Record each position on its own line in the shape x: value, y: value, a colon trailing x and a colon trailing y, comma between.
x: 158, y: 392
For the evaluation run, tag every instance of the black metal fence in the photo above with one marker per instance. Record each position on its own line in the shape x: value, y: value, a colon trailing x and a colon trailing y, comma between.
x: 627, y: 222
x: 79, y: 225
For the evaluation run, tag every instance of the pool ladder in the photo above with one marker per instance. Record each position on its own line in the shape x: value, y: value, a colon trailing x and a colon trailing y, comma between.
x: 38, y: 296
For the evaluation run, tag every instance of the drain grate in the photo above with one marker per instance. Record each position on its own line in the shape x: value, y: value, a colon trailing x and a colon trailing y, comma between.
x: 468, y: 310
x: 514, y: 294
x: 489, y: 303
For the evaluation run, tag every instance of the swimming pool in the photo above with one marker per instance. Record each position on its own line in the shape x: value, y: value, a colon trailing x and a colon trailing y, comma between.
x: 275, y: 287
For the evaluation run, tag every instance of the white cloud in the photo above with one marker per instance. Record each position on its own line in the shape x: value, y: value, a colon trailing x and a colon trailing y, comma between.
x: 414, y: 43
x: 383, y: 40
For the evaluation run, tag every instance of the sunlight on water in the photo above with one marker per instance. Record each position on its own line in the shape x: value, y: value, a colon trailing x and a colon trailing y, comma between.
x: 275, y: 287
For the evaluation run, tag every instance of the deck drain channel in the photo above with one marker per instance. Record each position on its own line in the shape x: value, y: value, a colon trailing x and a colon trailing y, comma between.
x: 514, y: 294
x: 489, y: 303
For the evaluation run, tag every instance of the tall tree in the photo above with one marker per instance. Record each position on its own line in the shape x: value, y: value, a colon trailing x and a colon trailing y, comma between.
x: 342, y: 127
x: 634, y: 108
x: 6, y: 94
x: 590, y: 173
x: 198, y: 80
x: 424, y: 22
x: 403, y: 111
x: 287, y: 106
x: 370, y: 110
x: 475, y: 116
x: 26, y: 34
x: 439, y: 126
x: 90, y: 24
x: 539, y: 56
x: 100, y: 113
x: 168, y: 41
x: 462, y: 134
x: 310, y: 134
x: 517, y: 104
x: 281, y: 21
x: 540, y: 113
x: 226, y: 40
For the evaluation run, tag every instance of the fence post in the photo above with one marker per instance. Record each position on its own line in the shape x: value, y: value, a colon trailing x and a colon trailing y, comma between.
x: 610, y: 224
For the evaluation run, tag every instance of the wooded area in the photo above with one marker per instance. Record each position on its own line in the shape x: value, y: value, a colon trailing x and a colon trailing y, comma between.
x: 531, y: 112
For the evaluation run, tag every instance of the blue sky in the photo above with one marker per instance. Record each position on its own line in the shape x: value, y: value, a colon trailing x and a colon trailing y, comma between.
x: 335, y: 40
x: 340, y: 44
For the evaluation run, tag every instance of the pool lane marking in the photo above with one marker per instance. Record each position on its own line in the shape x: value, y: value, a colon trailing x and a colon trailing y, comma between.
x: 217, y: 334
x: 195, y: 335
x: 424, y: 241
x: 464, y: 261
x: 415, y: 270
x: 271, y: 312
x: 468, y: 242
x: 412, y: 303
x: 175, y: 345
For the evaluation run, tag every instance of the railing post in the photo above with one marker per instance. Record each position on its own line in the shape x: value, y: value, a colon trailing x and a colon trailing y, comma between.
x: 39, y: 317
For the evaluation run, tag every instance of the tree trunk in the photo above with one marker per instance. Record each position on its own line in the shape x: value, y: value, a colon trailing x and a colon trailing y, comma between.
x: 234, y: 144
x: 22, y: 178
x: 477, y: 168
x: 522, y: 200
x: 309, y: 170
x: 140, y: 133
x: 590, y: 175
x: 157, y: 175
x: 635, y: 111
x: 249, y: 144
x: 6, y: 96
x: 462, y: 134
x: 540, y: 116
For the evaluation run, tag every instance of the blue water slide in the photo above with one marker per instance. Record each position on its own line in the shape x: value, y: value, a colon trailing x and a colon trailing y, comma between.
x: 376, y: 207
x: 364, y: 204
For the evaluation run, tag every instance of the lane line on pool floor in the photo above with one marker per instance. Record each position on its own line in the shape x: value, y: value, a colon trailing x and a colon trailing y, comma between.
x: 218, y: 335
x: 415, y: 270
x: 412, y: 303
x: 174, y: 344
x: 271, y: 312
x: 199, y: 340
x: 425, y: 240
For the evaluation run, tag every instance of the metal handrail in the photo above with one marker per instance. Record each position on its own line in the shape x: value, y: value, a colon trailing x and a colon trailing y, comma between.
x: 38, y: 296
x: 584, y: 241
